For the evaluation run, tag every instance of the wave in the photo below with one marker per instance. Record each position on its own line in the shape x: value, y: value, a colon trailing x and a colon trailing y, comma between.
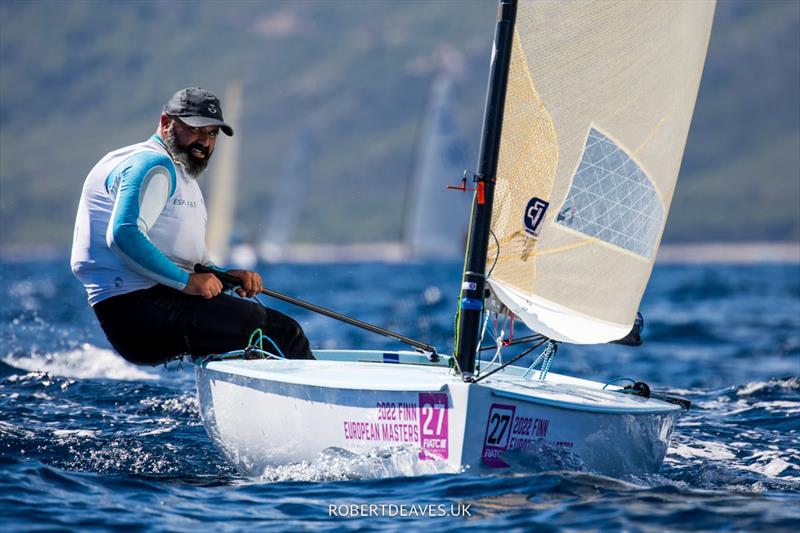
x: 740, y: 438
x: 769, y: 388
x: 337, y: 464
x: 88, y: 362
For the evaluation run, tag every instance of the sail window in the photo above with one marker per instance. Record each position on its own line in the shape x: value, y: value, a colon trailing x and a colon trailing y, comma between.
x: 612, y: 199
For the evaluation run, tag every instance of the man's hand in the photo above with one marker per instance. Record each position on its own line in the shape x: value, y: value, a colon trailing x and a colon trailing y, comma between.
x: 251, y: 282
x: 205, y: 285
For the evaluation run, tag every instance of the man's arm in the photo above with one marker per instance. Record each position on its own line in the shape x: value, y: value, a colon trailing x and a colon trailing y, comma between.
x: 142, y: 185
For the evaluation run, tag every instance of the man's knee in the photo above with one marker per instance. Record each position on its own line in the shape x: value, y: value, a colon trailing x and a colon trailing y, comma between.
x: 296, y: 342
x: 294, y: 328
x: 145, y: 357
x: 145, y: 347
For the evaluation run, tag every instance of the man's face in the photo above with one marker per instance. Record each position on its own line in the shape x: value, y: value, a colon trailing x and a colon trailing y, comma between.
x: 192, y: 147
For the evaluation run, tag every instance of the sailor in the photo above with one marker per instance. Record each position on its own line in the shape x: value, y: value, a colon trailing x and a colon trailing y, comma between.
x: 140, y: 230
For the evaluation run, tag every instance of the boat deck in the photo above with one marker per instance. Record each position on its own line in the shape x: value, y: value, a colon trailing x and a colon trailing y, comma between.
x: 410, y: 371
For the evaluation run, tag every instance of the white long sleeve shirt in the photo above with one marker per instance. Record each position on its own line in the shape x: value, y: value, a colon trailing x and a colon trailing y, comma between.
x: 141, y: 221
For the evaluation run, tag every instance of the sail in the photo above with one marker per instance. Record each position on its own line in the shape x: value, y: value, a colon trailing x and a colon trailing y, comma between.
x: 599, y: 101
x: 223, y: 184
x: 436, y: 222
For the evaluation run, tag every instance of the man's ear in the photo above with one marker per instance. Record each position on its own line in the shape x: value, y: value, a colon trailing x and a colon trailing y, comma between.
x: 164, y: 121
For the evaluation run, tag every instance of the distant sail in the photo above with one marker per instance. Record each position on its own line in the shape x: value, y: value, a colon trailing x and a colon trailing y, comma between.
x: 436, y: 222
x: 287, y: 202
x: 599, y: 102
x: 224, y: 181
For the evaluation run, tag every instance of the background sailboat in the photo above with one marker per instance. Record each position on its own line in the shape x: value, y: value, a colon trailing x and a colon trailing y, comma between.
x: 223, y: 190
x: 437, y: 217
x: 435, y: 221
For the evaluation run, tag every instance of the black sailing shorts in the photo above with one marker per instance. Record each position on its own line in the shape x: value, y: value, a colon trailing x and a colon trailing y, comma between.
x: 155, y: 325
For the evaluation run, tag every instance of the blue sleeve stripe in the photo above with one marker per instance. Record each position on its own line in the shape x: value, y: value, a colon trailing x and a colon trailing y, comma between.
x: 127, y: 238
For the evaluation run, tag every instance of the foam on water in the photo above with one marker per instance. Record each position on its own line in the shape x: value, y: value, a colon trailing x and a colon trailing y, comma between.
x: 707, y: 450
x: 786, y: 384
x: 79, y: 433
x: 337, y: 464
x: 86, y: 362
x: 737, y: 437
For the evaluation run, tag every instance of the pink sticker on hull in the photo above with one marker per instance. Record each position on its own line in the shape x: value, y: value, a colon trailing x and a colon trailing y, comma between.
x: 433, y: 425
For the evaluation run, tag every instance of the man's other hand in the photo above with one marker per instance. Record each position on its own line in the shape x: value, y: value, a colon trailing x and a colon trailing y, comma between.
x: 251, y: 282
x: 205, y: 285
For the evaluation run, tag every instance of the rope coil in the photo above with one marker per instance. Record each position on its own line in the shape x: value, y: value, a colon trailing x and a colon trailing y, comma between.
x: 254, y: 350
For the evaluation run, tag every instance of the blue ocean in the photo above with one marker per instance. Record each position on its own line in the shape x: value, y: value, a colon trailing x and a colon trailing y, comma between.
x: 88, y: 441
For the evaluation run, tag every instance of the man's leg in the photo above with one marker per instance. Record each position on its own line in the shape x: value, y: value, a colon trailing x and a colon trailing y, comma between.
x: 155, y: 325
x: 140, y: 327
x: 226, y: 323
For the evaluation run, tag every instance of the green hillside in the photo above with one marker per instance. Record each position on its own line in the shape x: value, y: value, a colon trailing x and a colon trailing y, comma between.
x: 80, y: 78
x: 740, y: 178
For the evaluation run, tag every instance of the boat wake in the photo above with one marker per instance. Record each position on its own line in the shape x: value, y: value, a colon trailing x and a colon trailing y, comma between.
x: 337, y: 464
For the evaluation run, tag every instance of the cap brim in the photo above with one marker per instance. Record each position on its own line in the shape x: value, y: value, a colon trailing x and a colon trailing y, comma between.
x: 200, y: 122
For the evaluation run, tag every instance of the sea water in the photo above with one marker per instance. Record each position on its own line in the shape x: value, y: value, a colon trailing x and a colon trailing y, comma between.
x: 89, y: 441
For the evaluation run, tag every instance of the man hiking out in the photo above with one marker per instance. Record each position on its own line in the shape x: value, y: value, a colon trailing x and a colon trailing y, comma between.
x: 141, y: 228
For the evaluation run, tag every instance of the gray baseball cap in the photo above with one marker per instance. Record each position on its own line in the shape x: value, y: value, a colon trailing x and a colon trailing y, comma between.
x: 197, y: 108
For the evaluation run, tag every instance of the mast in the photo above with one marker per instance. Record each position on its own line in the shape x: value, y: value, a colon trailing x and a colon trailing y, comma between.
x: 474, y: 280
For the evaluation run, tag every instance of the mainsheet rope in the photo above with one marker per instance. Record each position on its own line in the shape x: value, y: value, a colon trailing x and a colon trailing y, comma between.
x: 255, y: 346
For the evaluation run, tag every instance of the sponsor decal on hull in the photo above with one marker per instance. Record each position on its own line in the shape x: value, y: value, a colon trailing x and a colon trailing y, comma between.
x: 423, y: 423
x: 497, y: 434
x: 507, y: 429
x: 433, y: 425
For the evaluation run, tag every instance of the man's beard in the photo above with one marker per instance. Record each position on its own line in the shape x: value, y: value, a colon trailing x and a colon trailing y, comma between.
x: 183, y: 155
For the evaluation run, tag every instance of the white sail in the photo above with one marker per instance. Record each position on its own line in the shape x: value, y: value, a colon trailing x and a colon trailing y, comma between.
x: 436, y: 223
x: 599, y: 102
x: 223, y: 187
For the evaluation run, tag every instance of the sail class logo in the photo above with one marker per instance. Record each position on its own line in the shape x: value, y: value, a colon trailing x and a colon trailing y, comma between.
x: 534, y: 215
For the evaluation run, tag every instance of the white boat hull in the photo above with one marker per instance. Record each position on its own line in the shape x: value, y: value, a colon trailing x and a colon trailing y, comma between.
x: 269, y: 413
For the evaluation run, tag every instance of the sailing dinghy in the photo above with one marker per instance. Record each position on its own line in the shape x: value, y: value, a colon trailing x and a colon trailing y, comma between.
x: 587, y: 113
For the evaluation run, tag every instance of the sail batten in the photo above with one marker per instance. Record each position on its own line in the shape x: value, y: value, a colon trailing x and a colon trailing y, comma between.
x: 599, y: 101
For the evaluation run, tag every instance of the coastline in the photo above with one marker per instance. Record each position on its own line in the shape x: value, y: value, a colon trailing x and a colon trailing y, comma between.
x: 729, y: 252
x: 756, y: 252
